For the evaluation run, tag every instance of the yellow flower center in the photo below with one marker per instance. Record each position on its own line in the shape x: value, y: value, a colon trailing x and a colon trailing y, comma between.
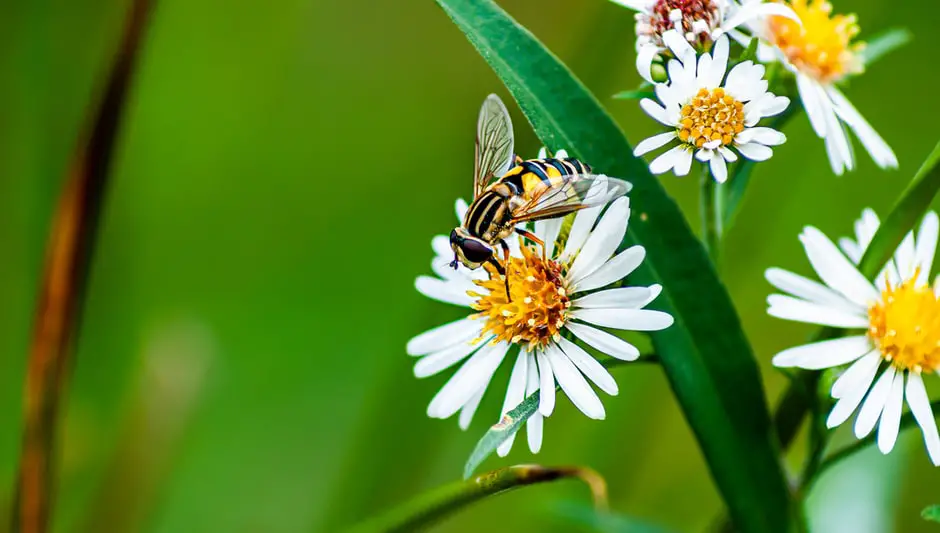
x: 712, y: 115
x: 822, y: 48
x: 905, y: 325
x: 538, y: 307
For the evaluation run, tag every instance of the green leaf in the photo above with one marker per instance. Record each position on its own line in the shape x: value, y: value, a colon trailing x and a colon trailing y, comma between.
x: 914, y: 202
x: 931, y: 514
x: 884, y: 43
x: 501, y: 431
x: 706, y: 357
x: 750, y: 53
x: 634, y: 95
x: 603, y: 521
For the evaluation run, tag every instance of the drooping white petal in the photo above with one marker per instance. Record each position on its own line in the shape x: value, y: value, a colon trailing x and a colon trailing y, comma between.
x: 444, y: 291
x: 441, y: 337
x: 604, y: 342
x: 874, y: 404
x: 546, y: 385
x: 461, y: 207
x: 751, y: 11
x: 534, y: 423
x: 789, y: 308
x: 719, y: 169
x: 619, y: 266
x: 680, y: 48
x: 573, y: 384
x: 683, y: 163
x: 811, y: 102
x: 603, y: 241
x: 835, y: 270
x: 515, y: 393
x: 879, y: 150
x: 469, y: 409
x: 656, y: 141
x: 629, y: 319
x: 755, y: 151
x: 926, y: 245
x: 920, y: 407
x: 589, y: 366
x: 824, y: 354
x: 621, y: 297
x: 837, y: 140
x: 855, y: 390
x: 436, y: 362
x: 808, y: 290
x: 891, y: 416
x: 548, y: 230
x: 644, y: 61
x: 676, y: 156
x: 850, y: 249
x: 467, y: 381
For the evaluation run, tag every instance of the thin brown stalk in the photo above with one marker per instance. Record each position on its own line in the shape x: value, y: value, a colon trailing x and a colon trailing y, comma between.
x: 68, y: 254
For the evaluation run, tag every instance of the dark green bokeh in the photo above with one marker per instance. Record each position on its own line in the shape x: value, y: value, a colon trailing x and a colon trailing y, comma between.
x: 282, y: 169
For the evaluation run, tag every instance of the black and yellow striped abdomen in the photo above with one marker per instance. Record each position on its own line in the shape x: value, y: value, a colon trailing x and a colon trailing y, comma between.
x: 490, y: 213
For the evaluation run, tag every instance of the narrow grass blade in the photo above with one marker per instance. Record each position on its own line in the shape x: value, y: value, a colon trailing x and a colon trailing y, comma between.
x: 884, y: 43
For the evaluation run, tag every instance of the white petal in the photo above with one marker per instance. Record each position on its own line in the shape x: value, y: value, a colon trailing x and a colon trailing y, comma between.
x: 719, y: 63
x: 441, y: 337
x: 629, y: 319
x: 676, y: 156
x: 850, y: 249
x: 762, y: 135
x: 751, y: 11
x: 729, y: 156
x: 845, y: 381
x: 469, y: 408
x: 837, y: 140
x: 515, y: 393
x: 879, y: 150
x: 855, y: 390
x: 923, y: 414
x: 904, y: 256
x: 656, y: 111
x: 605, y: 342
x: 622, y: 297
x: 814, y: 107
x: 926, y: 245
x: 534, y: 423
x: 719, y: 169
x: 835, y: 270
x: 683, y: 163
x: 603, y: 241
x: 866, y: 226
x: 654, y: 142
x: 824, y: 354
x: 561, y: 154
x: 546, y: 385
x: 644, y: 61
x: 574, y: 385
x: 680, y: 47
x: 891, y: 416
x: 467, y: 381
x: 755, y: 152
x: 444, y: 291
x: 548, y: 230
x: 874, y: 404
x: 589, y: 366
x: 789, y: 308
x: 436, y: 362
x: 808, y: 290
x: 580, y: 231
x: 460, y: 207
x: 620, y: 266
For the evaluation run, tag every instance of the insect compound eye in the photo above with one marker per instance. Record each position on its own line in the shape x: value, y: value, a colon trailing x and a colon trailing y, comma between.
x: 476, y: 251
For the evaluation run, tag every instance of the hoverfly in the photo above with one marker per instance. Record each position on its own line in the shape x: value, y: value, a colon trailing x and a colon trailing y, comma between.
x: 525, y: 191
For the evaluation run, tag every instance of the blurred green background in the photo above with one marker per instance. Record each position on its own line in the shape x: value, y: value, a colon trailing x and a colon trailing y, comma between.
x: 281, y: 170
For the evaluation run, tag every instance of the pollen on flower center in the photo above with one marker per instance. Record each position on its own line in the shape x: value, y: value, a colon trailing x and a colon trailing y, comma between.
x: 538, y: 307
x: 712, y: 116
x: 694, y: 18
x: 822, y: 48
x: 905, y: 325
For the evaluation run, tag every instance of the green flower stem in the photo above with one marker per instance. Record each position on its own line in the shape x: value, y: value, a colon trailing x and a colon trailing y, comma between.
x: 906, y: 422
x: 438, y: 503
x: 711, y: 232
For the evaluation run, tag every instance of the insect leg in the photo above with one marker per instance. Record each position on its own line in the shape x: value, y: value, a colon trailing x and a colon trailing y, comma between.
x: 505, y: 248
x: 531, y: 236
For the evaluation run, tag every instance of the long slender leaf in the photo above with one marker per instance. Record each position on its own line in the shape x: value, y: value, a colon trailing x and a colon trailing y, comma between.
x: 884, y: 43
x: 424, y: 510
x: 706, y: 357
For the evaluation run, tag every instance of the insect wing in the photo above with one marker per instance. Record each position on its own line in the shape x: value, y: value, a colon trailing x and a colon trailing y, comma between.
x: 576, y: 192
x: 494, y: 143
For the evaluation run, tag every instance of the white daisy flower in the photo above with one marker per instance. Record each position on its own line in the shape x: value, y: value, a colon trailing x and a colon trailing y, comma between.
x: 550, y: 299
x: 898, y: 323
x: 821, y: 54
x: 700, y: 22
x: 710, y: 114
